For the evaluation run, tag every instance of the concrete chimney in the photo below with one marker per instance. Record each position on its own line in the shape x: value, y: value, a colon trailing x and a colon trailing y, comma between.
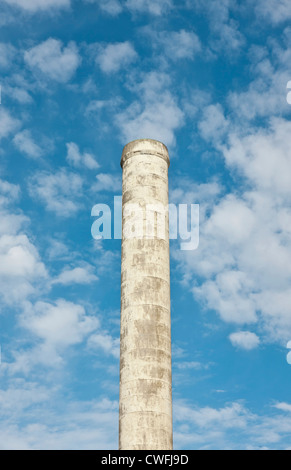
x: 145, y: 402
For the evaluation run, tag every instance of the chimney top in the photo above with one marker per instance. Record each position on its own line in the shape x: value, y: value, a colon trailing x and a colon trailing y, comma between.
x: 145, y: 146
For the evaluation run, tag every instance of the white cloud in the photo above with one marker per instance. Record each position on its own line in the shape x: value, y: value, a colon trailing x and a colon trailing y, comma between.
x: 59, y: 191
x: 264, y: 157
x: 20, y: 267
x: 100, y: 112
x: 232, y: 427
x: 244, y: 340
x: 21, y: 395
x: 191, y: 193
x: 155, y: 114
x: 60, y: 324
x: 266, y: 93
x: 283, y: 407
x: 190, y: 365
x: 57, y: 250
x: 21, y: 270
x: 18, y: 94
x: 232, y: 416
x: 16, y: 85
x: 80, y: 275
x: 104, y: 259
x: 75, y: 158
x: 274, y: 11
x: 54, y: 328
x: 43, y: 420
x: 53, y: 60
x: 112, y: 57
x: 107, y: 182
x: 244, y: 255
x: 8, y: 192
x: 154, y: 7
x: 33, y: 6
x: 7, y: 53
x: 225, y: 35
x: 242, y: 220
x: 96, y: 106
x: 11, y: 223
x: 274, y: 304
x: 229, y: 38
x: 180, y: 44
x: 25, y: 143
x: 19, y: 257
x: 105, y: 342
x: 8, y: 124
x: 229, y: 295
x: 213, y: 124
x: 112, y: 7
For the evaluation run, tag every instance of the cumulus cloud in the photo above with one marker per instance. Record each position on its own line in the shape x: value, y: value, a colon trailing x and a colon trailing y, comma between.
x: 106, y: 182
x: 264, y: 157
x: 112, y: 57
x: 55, y: 327
x: 247, y: 232
x: 77, y: 159
x: 213, y: 124
x: 266, y: 93
x: 274, y: 11
x: 283, y: 407
x: 22, y: 272
x: 19, y: 258
x: 105, y: 342
x: 11, y: 223
x: 60, y: 191
x: 25, y: 143
x: 8, y: 124
x: 232, y: 416
x: 244, y: 252
x: 79, y: 275
x: 232, y: 426
x: 111, y: 7
x: 33, y: 6
x: 155, y: 114
x: 51, y: 59
x: 228, y: 294
x: 8, y: 192
x: 54, y: 423
x: 244, y: 340
x: 153, y: 7
x: 225, y: 34
x: 59, y: 324
x: 18, y: 94
x: 177, y: 44
x: 21, y: 268
x: 7, y: 53
x: 21, y: 395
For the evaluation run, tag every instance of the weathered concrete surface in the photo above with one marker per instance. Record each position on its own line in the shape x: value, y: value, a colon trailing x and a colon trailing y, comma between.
x: 145, y: 415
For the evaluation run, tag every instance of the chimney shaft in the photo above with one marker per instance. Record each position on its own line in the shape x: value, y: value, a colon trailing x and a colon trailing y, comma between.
x: 145, y: 410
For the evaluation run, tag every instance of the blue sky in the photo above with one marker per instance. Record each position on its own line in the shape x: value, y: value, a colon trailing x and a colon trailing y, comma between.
x: 80, y: 79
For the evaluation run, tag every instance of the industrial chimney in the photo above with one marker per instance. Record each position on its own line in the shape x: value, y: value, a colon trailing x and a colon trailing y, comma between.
x: 145, y: 403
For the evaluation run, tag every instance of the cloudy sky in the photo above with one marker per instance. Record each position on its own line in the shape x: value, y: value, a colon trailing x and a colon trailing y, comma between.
x: 79, y: 79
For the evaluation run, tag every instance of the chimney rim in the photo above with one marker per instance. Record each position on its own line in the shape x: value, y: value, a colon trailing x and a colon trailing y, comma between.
x: 155, y: 147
